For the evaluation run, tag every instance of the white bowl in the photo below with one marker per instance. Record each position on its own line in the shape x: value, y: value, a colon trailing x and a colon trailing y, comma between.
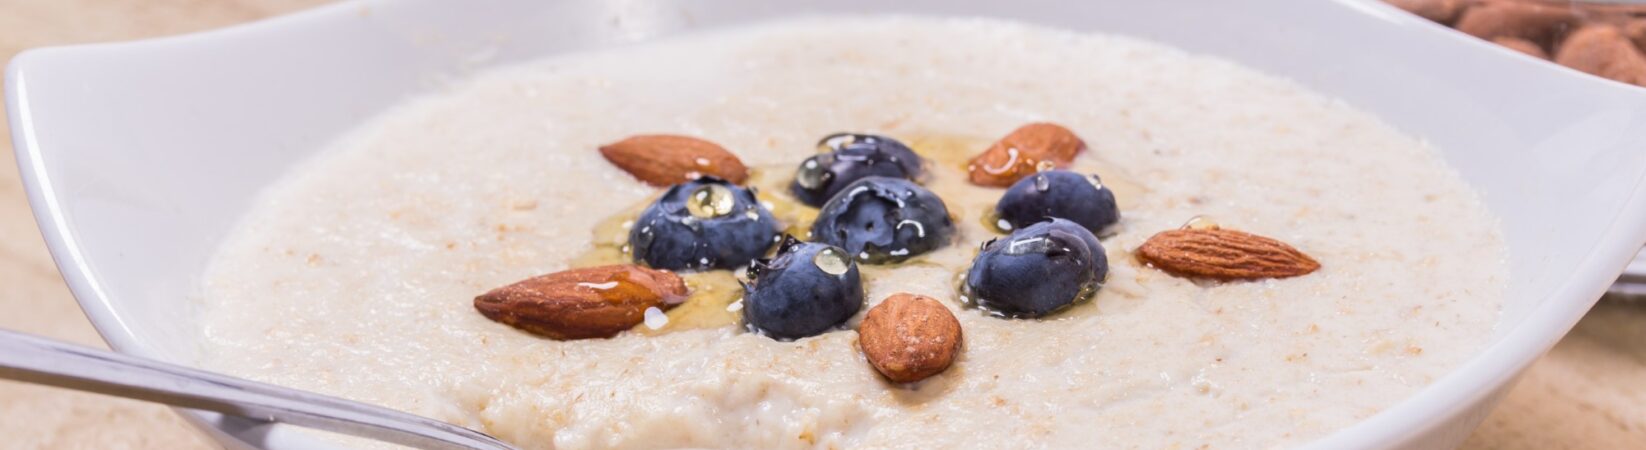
x: 138, y: 156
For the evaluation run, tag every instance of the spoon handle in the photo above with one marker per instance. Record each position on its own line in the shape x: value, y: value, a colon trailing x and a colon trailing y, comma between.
x: 38, y: 360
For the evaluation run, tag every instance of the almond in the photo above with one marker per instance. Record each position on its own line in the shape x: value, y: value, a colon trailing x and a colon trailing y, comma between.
x: 1605, y: 11
x: 1604, y: 51
x: 664, y: 159
x: 1223, y: 255
x: 1024, y: 152
x: 1535, y: 22
x: 1521, y: 45
x: 593, y: 302
x: 1443, y: 11
x: 909, y: 337
x: 1636, y: 31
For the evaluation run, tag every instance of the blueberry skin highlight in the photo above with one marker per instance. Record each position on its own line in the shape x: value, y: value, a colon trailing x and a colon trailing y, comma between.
x: 1038, y: 270
x: 849, y: 157
x: 884, y: 220
x: 703, y: 224
x: 1061, y: 194
x: 805, y: 290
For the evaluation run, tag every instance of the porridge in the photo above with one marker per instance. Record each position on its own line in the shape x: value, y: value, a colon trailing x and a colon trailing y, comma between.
x: 358, y: 275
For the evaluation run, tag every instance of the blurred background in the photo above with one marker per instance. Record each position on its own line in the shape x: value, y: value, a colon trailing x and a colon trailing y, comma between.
x: 1588, y: 393
x: 1605, y: 38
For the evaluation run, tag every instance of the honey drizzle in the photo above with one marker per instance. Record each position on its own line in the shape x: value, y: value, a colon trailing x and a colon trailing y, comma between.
x: 711, y: 293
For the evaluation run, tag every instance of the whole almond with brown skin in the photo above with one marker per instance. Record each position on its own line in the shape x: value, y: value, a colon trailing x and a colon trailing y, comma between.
x: 592, y: 302
x: 1604, y: 51
x: 1022, y: 152
x: 1222, y: 254
x: 1601, y: 11
x: 666, y: 159
x: 1636, y: 31
x: 1537, y: 22
x: 1521, y: 45
x: 908, y: 337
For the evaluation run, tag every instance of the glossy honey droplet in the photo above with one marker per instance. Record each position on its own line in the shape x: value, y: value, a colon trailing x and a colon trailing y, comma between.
x: 831, y: 262
x: 1095, y: 181
x: 1200, y: 223
x: 812, y: 175
x: 710, y: 200
x: 1043, y: 183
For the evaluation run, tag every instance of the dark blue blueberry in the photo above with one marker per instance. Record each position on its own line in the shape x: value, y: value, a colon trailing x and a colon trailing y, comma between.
x: 808, y: 288
x: 1038, y: 270
x: 848, y: 157
x: 1079, y: 198
x: 882, y: 220
x: 706, y: 223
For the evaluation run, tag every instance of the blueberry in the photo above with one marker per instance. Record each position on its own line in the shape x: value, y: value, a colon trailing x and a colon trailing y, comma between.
x: 849, y: 157
x: 808, y: 288
x: 1038, y: 270
x: 882, y: 220
x: 707, y: 223
x: 1081, y: 199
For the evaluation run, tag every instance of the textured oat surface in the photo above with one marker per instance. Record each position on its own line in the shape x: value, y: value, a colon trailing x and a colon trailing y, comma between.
x: 417, y: 210
x: 1586, y: 394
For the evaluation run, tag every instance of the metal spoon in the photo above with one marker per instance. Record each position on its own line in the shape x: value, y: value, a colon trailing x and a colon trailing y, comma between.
x: 38, y: 360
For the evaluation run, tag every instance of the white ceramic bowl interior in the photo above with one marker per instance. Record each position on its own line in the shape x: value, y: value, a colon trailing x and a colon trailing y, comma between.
x: 138, y: 156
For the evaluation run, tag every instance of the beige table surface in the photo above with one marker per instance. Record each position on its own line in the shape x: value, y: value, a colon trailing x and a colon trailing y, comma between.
x: 1588, y: 393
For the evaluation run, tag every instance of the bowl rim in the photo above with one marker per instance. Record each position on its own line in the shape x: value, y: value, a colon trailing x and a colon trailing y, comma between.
x: 1488, y: 373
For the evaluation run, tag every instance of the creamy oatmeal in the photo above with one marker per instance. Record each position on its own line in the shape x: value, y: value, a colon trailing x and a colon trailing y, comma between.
x: 355, y: 276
